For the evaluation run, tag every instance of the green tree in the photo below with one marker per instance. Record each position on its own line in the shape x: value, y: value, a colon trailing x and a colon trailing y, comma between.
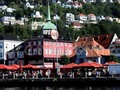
x: 114, y: 58
x: 105, y: 26
x: 2, y: 30
x: 64, y: 60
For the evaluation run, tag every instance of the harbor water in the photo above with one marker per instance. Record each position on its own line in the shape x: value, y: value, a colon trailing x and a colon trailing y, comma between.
x: 62, y: 88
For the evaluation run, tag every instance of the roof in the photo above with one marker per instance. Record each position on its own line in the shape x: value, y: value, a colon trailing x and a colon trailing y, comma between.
x: 104, y: 39
x: 49, y: 25
x: 8, y: 37
x: 93, y: 48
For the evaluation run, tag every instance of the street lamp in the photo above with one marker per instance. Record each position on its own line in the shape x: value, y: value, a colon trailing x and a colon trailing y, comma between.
x: 54, y: 35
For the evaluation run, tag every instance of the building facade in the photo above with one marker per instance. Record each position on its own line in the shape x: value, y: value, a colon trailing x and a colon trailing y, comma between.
x: 44, y: 48
x: 7, y: 42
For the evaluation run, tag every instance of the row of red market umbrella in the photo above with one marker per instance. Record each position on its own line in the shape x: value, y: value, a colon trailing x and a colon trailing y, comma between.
x: 88, y: 64
x: 68, y: 66
x: 15, y: 67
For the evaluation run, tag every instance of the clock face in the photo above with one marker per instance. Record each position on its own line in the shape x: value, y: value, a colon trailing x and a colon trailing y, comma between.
x: 54, y: 34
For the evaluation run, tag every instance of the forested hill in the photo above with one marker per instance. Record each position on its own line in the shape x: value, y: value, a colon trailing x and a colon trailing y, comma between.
x: 25, y: 32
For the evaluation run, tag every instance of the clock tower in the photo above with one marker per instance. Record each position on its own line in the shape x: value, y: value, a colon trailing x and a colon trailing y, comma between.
x: 49, y: 26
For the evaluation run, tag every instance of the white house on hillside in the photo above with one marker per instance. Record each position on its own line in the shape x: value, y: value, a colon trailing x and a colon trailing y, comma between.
x: 82, y: 17
x: 70, y: 17
x: 56, y: 17
x: 10, y: 10
x: 6, y: 20
x: 91, y: 17
x: 36, y: 14
x: 28, y: 5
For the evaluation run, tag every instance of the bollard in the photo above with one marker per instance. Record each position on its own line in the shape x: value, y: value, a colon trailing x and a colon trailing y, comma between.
x: 36, y: 75
x: 13, y: 76
x: 3, y: 76
x: 85, y: 74
x: 73, y: 75
x: 48, y: 75
x: 25, y: 75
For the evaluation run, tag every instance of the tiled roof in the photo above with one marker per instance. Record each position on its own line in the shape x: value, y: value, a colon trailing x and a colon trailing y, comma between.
x: 91, y: 15
x: 104, y: 39
x: 82, y: 15
x: 93, y: 48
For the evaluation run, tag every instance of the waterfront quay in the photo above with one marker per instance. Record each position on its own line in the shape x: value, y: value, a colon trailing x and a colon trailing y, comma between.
x: 82, y: 81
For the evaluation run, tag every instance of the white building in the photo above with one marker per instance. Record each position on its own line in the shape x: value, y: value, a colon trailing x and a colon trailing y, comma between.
x: 36, y: 14
x: 7, y: 42
x: 56, y: 17
x: 10, y: 10
x: 8, y: 20
x: 115, y: 48
x: 82, y: 17
x: 91, y: 17
x: 70, y: 17
x: 28, y: 5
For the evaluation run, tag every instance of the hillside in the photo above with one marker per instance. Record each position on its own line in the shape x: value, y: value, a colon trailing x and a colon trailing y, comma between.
x: 25, y: 32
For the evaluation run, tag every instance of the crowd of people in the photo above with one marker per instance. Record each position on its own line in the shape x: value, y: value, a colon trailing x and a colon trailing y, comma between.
x: 50, y: 73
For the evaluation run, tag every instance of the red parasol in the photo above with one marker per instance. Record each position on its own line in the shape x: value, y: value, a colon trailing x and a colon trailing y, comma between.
x: 68, y: 66
x: 15, y: 66
x: 87, y: 64
x: 111, y: 62
x: 29, y: 66
x: 5, y: 67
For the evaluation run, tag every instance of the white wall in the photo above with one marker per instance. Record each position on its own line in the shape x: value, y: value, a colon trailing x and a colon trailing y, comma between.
x: 8, y: 45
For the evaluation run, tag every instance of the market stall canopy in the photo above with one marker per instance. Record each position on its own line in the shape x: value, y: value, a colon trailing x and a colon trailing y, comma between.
x: 68, y: 66
x: 88, y: 64
x: 15, y: 66
x: 98, y: 64
x: 5, y: 67
x: 111, y: 62
x: 29, y: 66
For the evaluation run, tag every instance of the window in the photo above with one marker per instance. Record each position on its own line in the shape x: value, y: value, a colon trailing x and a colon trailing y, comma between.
x: 46, y: 51
x: 1, y: 46
x: 50, y: 51
x: 119, y: 50
x: 39, y: 51
x: 113, y: 50
x: 34, y: 43
x: 11, y: 55
x: 35, y: 51
x: 39, y: 42
x: 30, y: 51
x: 1, y: 54
x: 20, y: 54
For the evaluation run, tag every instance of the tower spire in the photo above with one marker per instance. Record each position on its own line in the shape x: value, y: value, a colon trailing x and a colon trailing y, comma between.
x: 48, y: 16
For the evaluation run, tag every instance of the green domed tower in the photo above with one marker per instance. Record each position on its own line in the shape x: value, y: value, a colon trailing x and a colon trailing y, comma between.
x: 48, y: 26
